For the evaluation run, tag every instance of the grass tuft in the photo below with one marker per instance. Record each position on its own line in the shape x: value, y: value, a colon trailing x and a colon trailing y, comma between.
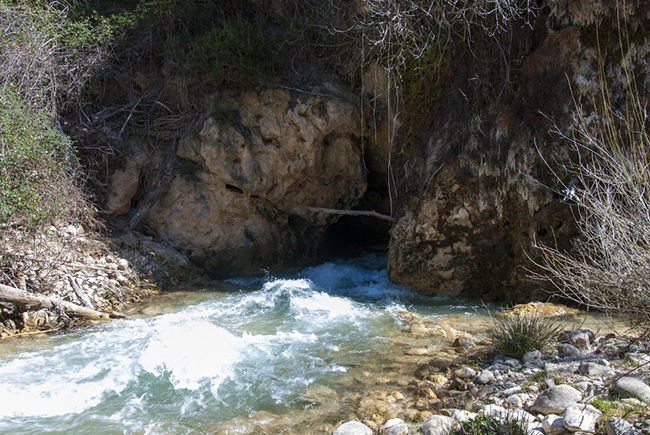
x: 515, y: 334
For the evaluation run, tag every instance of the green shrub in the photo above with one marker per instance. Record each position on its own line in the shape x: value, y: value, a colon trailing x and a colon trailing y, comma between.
x: 490, y: 426
x: 514, y: 334
x: 36, y: 168
x: 234, y: 55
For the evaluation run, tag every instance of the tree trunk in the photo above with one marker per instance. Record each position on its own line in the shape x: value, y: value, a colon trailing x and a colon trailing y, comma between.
x: 35, y: 302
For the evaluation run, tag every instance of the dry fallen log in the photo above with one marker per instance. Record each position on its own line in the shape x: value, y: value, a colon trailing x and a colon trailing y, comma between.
x: 351, y: 213
x: 34, y: 301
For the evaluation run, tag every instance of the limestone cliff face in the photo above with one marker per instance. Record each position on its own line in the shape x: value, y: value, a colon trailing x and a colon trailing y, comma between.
x: 237, y: 199
x: 491, y: 171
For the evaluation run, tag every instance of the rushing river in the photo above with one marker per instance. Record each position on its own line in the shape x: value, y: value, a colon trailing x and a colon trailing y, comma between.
x: 212, y: 359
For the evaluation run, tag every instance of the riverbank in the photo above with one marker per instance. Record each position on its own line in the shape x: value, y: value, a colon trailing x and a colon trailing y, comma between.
x: 589, y: 381
x: 110, y: 273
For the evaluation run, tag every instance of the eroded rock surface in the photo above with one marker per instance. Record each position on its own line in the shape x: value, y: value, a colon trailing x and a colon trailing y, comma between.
x: 238, y: 194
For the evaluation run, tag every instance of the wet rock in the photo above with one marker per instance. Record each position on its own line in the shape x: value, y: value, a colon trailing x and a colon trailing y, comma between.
x: 485, y: 377
x: 555, y: 400
x: 554, y: 425
x: 628, y: 386
x: 618, y: 426
x: 566, y: 350
x: 394, y: 426
x: 581, y: 418
x: 353, y: 428
x: 437, y: 425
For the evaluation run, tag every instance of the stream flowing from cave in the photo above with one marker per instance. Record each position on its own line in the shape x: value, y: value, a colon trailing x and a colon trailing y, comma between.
x: 207, y: 361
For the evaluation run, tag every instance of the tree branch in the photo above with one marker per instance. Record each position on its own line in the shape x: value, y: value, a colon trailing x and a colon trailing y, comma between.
x: 371, y: 213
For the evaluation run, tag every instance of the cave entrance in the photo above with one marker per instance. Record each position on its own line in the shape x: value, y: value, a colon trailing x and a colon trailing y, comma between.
x: 353, y: 235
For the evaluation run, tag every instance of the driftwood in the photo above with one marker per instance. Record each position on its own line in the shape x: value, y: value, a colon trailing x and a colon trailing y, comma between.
x: 83, y: 297
x: 371, y: 213
x: 35, y: 301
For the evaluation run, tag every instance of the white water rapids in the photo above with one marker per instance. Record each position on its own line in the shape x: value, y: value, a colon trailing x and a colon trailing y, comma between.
x: 240, y: 348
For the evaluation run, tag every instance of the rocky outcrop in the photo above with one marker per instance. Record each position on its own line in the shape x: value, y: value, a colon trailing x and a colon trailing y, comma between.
x: 488, y: 175
x: 244, y: 178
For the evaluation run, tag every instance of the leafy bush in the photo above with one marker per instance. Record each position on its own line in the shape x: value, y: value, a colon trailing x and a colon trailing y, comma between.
x: 515, y: 334
x: 36, y: 168
x: 490, y: 426
x: 235, y: 55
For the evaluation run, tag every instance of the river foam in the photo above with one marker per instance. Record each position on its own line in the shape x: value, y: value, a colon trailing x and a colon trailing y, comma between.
x: 231, y: 355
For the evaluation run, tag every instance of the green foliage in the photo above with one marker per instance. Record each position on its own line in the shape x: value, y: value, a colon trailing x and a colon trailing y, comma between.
x: 235, y: 55
x: 49, y: 50
x: 36, y: 186
x: 485, y: 425
x: 515, y: 334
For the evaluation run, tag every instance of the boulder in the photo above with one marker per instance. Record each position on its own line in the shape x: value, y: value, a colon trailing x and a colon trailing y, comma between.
x: 394, y: 426
x: 556, y: 399
x: 628, y: 386
x: 353, y: 428
x: 581, y: 418
x: 240, y: 199
x: 437, y: 425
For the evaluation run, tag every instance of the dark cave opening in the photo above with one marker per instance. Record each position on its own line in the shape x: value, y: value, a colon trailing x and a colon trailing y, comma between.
x: 351, y: 236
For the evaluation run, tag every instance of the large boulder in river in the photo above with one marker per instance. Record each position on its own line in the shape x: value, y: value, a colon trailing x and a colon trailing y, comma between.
x: 246, y: 176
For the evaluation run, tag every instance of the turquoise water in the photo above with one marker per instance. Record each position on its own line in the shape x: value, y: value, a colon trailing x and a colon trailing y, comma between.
x: 238, y: 349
